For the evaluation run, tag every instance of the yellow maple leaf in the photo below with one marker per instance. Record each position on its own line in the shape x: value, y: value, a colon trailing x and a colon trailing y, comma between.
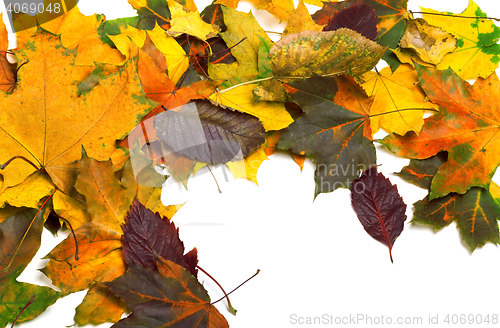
x: 29, y: 192
x: 177, y: 60
x: 301, y: 20
x: 233, y: 4
x: 273, y: 115
x: 128, y: 41
x: 247, y: 167
x: 477, y: 53
x: 190, y: 23
x: 398, y: 95
x: 281, y: 9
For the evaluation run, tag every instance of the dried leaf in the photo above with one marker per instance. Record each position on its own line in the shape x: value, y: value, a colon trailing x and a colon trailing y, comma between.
x: 379, y: 207
x: 359, y: 17
x: 430, y: 42
x: 337, y: 52
x: 301, y: 20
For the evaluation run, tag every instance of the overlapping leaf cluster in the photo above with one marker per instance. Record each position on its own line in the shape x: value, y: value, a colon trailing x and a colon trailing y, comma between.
x: 90, y: 106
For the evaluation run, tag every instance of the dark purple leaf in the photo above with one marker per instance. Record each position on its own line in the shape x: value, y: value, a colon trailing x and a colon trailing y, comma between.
x: 379, y: 207
x: 359, y: 17
x: 145, y: 231
x: 208, y: 132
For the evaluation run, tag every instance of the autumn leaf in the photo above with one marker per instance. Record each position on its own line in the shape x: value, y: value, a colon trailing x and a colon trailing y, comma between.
x: 188, y: 22
x: 57, y: 121
x: 466, y: 127
x: 334, y: 129
x: 301, y: 20
x: 281, y: 9
x: 146, y: 233
x: 379, y: 207
x: 477, y: 53
x: 359, y: 17
x: 306, y: 53
x: 430, y: 42
x: 14, y: 257
x: 7, y: 74
x: 399, y: 100
x: 245, y: 37
x: 213, y: 15
x: 152, y: 12
x: 476, y: 212
x: 141, y: 287
x: 208, y: 132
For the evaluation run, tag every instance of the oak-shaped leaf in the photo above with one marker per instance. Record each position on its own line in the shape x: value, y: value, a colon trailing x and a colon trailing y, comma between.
x: 476, y: 212
x: 359, y: 17
x: 167, y: 297
x: 379, y: 207
x: 146, y: 233
x: 307, y: 53
x: 466, y: 127
x: 335, y: 129
x: 15, y: 254
x: 209, y: 132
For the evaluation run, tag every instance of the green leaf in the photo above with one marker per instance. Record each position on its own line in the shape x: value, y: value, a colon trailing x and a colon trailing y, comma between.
x: 334, y: 129
x: 15, y: 295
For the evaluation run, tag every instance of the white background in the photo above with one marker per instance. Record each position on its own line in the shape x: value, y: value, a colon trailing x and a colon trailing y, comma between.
x: 315, y: 257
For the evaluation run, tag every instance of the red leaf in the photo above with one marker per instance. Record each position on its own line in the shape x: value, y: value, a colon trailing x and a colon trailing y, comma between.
x: 145, y: 231
x: 359, y: 17
x: 379, y: 207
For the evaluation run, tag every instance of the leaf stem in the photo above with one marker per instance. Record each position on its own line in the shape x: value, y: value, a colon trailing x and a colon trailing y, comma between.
x: 213, y: 176
x: 72, y: 232
x: 26, y: 233
x: 245, y: 83
x: 32, y: 299
x: 3, y: 166
x: 402, y: 110
x: 456, y: 16
x: 230, y: 307
x: 244, y: 282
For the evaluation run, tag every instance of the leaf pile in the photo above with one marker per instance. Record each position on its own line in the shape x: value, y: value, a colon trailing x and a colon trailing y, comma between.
x: 89, y: 107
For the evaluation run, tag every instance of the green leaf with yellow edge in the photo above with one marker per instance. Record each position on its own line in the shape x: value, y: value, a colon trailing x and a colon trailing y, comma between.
x: 476, y: 212
x: 183, y: 21
x: 273, y: 115
x: 29, y: 192
x: 399, y: 100
x: 477, y: 53
x: 57, y: 121
x: 430, y: 42
x: 245, y: 28
x: 15, y: 295
x: 344, y: 51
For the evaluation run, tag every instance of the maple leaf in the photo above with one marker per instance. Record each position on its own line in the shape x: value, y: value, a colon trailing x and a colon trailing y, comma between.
x: 430, y: 42
x: 188, y: 22
x: 210, y: 133
x: 359, y: 17
x: 213, y: 15
x: 153, y: 297
x: 152, y: 12
x: 303, y: 54
x: 334, y: 129
x: 281, y: 9
x: 466, y: 127
x: 477, y: 53
x: 146, y: 233
x: 14, y: 257
x: 108, y: 201
x: 57, y: 121
x: 476, y: 212
x: 397, y: 98
x: 301, y: 20
x: 379, y: 207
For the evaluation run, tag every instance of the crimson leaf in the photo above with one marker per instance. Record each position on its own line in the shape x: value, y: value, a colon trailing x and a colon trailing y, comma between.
x: 146, y: 232
x: 379, y: 207
x: 359, y: 17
